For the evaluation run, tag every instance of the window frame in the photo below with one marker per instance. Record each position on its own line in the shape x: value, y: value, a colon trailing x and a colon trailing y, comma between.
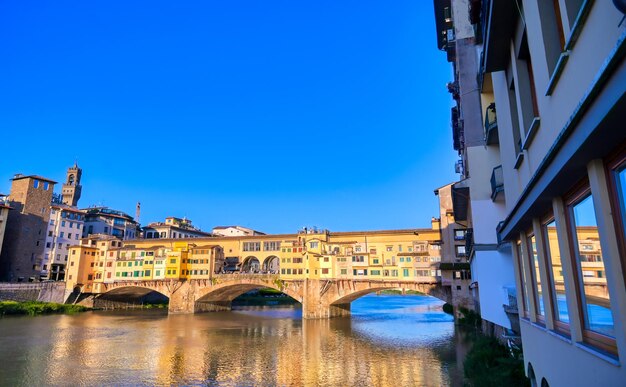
x: 520, y: 267
x: 618, y: 161
x: 540, y: 318
x: 559, y: 326
x: 595, y: 339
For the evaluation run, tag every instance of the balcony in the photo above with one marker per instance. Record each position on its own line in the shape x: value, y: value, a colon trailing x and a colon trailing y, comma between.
x: 497, y: 183
x: 491, y: 125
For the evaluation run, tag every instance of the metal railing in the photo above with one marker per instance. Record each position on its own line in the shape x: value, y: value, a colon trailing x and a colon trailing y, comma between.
x: 497, y: 182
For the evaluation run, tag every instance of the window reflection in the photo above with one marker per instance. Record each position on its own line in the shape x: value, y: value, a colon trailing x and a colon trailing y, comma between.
x: 590, y: 266
x: 621, y: 192
x: 554, y: 262
x: 534, y: 258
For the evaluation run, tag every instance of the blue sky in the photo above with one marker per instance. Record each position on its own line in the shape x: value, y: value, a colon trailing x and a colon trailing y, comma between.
x: 270, y: 114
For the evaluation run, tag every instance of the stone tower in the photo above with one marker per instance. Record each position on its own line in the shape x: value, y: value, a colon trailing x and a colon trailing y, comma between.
x: 25, y: 235
x: 72, y: 188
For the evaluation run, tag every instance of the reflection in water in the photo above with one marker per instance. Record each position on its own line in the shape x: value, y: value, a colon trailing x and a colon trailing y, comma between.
x: 389, y: 340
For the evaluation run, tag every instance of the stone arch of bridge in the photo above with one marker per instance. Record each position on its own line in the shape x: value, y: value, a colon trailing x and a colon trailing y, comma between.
x: 343, y: 297
x: 225, y: 293
x: 348, y: 298
x: 271, y: 264
x: 130, y: 292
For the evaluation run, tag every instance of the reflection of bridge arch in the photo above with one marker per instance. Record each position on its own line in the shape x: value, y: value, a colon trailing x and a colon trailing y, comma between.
x: 271, y: 264
x: 251, y: 264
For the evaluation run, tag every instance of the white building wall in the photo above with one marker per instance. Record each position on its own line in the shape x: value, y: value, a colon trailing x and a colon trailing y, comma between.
x: 487, y: 216
x: 552, y: 355
x: 493, y: 270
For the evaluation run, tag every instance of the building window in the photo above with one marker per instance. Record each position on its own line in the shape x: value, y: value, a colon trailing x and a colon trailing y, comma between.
x: 551, y: 31
x: 536, y: 277
x: 324, y: 271
x: 271, y: 246
x: 594, y: 296
x: 556, y: 282
x: 35, y: 183
x: 459, y: 235
x: 405, y: 273
x: 344, y: 271
x: 251, y: 246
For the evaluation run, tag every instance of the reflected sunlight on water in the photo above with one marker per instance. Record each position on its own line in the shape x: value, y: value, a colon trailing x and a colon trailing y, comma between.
x: 389, y: 340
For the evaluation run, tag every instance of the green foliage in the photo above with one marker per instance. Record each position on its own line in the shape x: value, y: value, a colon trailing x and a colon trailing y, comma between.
x: 470, y: 318
x: 280, y: 284
x: 34, y: 308
x: 447, y: 308
x: 490, y: 363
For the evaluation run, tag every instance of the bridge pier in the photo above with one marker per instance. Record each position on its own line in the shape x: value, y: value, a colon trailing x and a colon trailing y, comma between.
x: 183, y: 300
x: 317, y: 305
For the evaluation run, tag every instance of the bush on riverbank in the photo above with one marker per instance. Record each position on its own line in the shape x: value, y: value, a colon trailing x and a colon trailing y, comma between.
x: 447, y: 308
x: 490, y: 363
x: 470, y: 318
x: 33, y: 308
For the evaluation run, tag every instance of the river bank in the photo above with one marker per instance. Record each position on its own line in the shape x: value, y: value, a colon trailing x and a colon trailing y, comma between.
x: 34, y: 308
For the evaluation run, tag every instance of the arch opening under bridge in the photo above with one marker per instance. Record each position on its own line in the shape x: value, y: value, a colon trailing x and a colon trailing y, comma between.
x: 130, y: 296
x: 219, y: 298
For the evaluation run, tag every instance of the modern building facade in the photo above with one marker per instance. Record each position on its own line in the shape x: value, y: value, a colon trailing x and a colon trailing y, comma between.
x: 478, y: 202
x: 65, y: 229
x: 22, y: 250
x: 554, y: 72
x: 107, y: 221
x: 173, y: 228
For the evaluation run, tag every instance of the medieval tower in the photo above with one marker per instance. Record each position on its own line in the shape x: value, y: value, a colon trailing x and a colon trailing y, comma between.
x: 72, y: 188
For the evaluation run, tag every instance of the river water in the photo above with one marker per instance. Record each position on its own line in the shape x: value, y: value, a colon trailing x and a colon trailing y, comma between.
x: 388, y: 341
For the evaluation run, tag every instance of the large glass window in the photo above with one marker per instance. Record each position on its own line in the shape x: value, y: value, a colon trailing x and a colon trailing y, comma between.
x: 590, y: 268
x: 536, y: 277
x: 555, y: 270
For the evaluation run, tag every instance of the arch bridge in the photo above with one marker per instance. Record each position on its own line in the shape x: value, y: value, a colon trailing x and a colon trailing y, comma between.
x: 319, y: 298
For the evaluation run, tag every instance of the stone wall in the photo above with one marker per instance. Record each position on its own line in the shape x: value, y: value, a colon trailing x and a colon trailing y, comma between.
x: 41, y: 291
